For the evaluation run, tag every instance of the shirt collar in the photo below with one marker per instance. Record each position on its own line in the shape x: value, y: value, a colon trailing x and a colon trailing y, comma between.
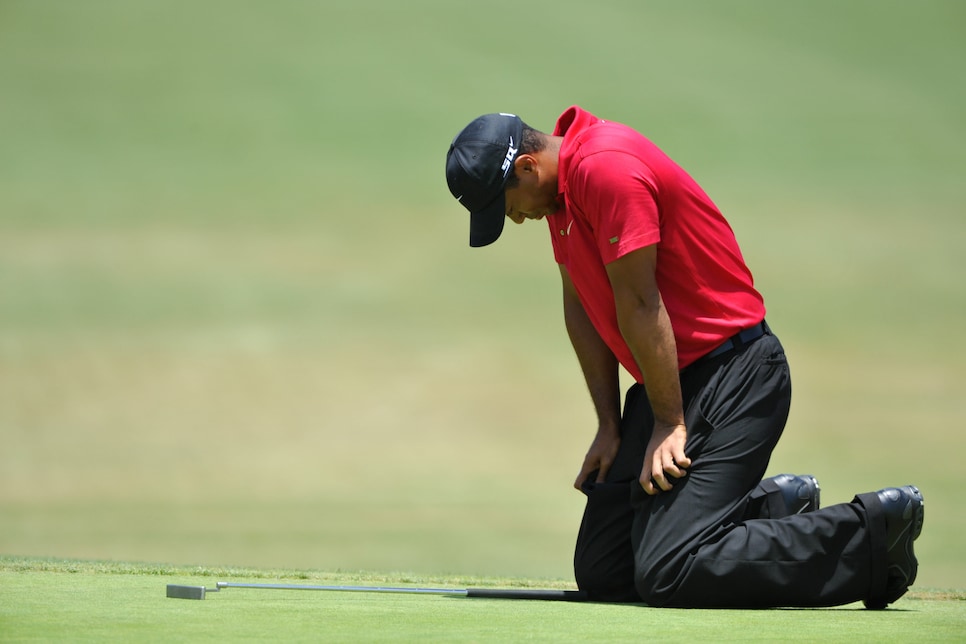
x: 570, y: 125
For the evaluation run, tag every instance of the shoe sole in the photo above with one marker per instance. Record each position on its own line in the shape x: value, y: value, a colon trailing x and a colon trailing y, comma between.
x: 920, y: 511
x: 809, y: 503
x: 816, y: 495
x: 914, y: 513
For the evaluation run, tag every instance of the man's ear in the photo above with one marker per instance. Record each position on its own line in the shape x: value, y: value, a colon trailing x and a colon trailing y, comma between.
x: 525, y: 164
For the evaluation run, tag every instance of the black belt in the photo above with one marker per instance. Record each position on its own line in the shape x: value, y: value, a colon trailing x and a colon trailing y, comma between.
x: 738, y: 340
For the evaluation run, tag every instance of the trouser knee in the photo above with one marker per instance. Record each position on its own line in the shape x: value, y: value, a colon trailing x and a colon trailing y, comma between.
x: 604, y: 558
x: 655, y: 587
x: 605, y: 583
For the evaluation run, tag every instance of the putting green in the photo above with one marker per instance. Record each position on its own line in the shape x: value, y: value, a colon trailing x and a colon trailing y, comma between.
x: 76, y: 600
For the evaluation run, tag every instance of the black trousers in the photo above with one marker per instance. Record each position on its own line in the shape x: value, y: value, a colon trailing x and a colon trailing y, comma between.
x: 712, y: 541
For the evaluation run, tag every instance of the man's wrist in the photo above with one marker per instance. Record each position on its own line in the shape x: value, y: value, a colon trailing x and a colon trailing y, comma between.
x: 609, y: 427
x: 661, y: 427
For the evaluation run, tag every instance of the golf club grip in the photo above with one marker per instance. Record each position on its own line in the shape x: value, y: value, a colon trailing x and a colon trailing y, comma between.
x: 523, y: 593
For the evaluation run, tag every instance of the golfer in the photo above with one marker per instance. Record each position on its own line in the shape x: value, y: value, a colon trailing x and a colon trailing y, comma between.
x: 677, y: 513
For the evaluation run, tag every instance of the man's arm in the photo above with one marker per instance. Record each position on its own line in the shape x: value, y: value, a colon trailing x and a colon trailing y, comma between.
x: 600, y: 370
x: 646, y: 328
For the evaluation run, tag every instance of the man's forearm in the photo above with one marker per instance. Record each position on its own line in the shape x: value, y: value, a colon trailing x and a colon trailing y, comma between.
x: 647, y: 330
x: 597, y: 361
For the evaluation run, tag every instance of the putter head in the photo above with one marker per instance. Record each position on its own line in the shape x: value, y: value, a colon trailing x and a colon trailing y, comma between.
x: 187, y: 592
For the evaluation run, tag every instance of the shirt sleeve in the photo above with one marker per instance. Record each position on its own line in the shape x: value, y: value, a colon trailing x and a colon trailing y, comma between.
x: 617, y: 194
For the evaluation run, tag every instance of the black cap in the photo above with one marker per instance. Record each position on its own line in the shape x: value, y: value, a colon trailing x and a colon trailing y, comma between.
x: 478, y: 164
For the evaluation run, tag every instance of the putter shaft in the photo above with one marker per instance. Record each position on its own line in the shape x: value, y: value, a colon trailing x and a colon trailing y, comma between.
x: 199, y: 592
x: 355, y: 589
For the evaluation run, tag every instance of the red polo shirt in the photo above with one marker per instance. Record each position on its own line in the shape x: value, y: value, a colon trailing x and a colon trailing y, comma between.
x: 620, y: 193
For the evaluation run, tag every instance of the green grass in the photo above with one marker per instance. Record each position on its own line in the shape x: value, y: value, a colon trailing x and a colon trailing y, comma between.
x: 114, y: 602
x: 240, y: 325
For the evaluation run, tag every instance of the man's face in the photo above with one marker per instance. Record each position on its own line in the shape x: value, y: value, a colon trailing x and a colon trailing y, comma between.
x: 534, y: 197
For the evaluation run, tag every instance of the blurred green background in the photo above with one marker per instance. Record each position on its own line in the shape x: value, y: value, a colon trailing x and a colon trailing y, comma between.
x: 240, y: 323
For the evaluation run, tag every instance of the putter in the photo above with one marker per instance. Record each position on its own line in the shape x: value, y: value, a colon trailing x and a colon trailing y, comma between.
x: 176, y: 591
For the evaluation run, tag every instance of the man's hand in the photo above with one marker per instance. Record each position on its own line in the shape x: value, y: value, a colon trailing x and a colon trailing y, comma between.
x: 664, y: 456
x: 600, y: 456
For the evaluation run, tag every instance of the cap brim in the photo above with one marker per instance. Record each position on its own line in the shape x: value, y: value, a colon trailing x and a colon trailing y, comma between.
x: 486, y: 225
